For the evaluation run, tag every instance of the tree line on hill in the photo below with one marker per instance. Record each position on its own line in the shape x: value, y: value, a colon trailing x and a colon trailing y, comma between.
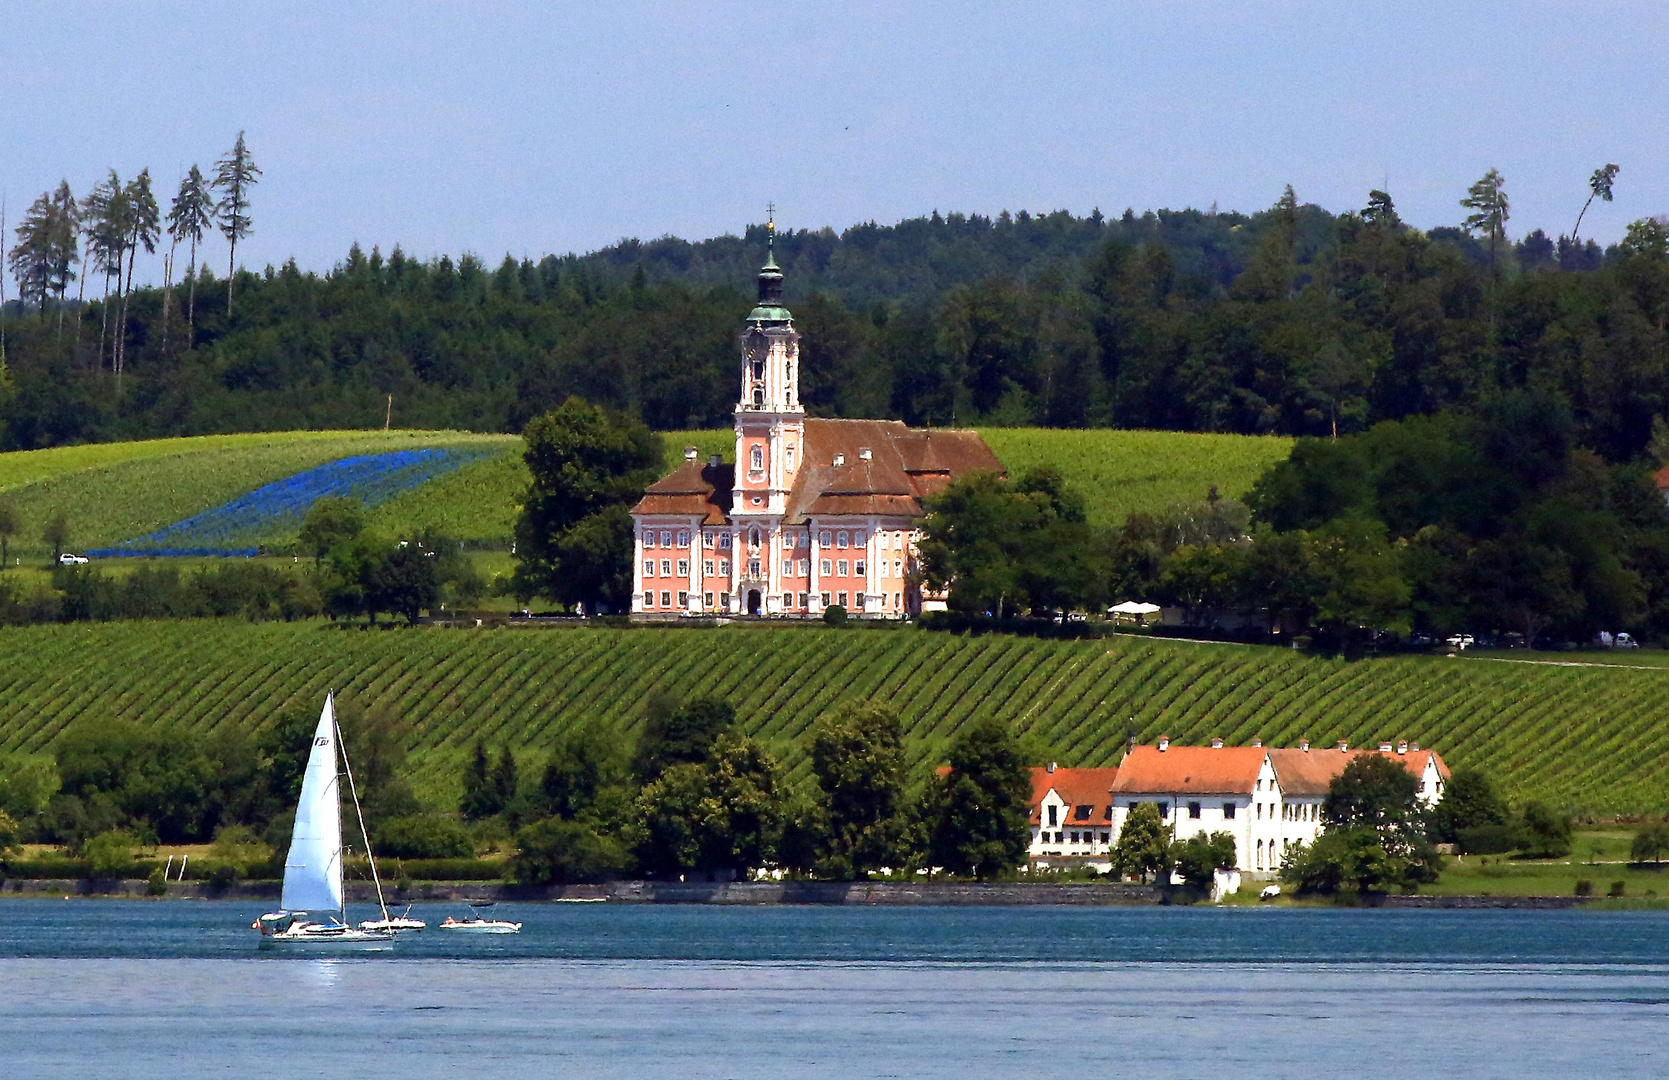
x: 1495, y: 520
x: 1292, y: 320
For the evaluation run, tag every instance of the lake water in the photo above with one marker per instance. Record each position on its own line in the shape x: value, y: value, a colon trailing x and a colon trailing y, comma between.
x: 599, y: 991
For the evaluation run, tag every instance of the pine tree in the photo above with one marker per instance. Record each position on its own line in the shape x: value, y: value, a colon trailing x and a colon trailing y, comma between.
x: 1487, y: 199
x: 1599, y: 185
x: 234, y: 175
x: 505, y: 782
x: 104, y: 214
x: 478, y: 796
x: 191, y: 213
x: 143, y: 229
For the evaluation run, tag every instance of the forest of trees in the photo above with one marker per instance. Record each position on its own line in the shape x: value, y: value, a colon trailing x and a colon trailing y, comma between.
x: 1291, y: 320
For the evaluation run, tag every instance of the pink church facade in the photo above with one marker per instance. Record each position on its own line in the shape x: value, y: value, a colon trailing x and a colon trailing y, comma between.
x: 814, y: 513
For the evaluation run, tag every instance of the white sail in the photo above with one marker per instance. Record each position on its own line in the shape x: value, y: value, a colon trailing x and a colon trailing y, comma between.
x: 313, y: 868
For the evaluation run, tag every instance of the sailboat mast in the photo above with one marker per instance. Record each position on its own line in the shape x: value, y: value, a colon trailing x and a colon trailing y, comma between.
x: 382, y: 905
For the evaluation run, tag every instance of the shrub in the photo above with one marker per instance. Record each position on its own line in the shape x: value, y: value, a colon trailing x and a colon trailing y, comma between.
x: 109, y: 854
x: 424, y: 836
x: 1485, y: 839
x: 223, y: 877
x: 1543, y: 832
x: 449, y: 869
x: 237, y: 846
x: 1584, y: 887
x: 157, y: 883
x: 1616, y: 889
x: 834, y: 615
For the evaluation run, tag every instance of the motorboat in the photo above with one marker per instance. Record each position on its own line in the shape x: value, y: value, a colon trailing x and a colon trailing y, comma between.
x: 475, y: 923
x: 396, y: 923
x: 313, y: 865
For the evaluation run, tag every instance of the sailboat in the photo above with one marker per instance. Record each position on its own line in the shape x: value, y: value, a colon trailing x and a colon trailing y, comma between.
x: 313, y: 867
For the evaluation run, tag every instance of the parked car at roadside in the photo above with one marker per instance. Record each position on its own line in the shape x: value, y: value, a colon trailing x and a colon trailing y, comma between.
x: 66, y: 559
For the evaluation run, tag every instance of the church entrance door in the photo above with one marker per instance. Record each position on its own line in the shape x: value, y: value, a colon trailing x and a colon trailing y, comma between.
x: 753, y: 601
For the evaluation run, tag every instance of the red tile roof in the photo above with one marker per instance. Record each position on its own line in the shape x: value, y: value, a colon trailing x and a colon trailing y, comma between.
x: 1310, y: 772
x: 1076, y: 787
x: 1189, y: 770
x: 692, y: 488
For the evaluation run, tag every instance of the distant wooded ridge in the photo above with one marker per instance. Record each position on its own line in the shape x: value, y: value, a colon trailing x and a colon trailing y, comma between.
x: 1290, y: 321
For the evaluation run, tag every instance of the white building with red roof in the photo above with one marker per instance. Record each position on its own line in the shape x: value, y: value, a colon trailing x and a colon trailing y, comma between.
x: 1265, y: 797
x: 815, y: 512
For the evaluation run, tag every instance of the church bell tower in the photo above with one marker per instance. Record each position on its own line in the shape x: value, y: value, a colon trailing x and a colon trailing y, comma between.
x: 770, y: 422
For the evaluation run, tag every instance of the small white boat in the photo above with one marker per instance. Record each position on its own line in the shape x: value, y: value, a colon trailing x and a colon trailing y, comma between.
x: 475, y: 924
x: 313, y: 865
x: 396, y: 923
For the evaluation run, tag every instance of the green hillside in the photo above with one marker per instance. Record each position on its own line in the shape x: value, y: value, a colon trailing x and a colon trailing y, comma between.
x: 1118, y: 472
x: 118, y: 491
x: 1589, y: 738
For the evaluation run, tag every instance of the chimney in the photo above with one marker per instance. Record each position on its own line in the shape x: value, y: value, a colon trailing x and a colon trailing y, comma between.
x: 1384, y: 748
x: 1051, y: 766
x: 1343, y: 746
x: 864, y: 454
x: 1257, y: 742
x: 840, y: 459
x: 715, y: 461
x: 1304, y: 745
x: 691, y: 453
x: 1402, y: 747
x: 1216, y: 743
x: 1414, y: 746
x: 1164, y: 743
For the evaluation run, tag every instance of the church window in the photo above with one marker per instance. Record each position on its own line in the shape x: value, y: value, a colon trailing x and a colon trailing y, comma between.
x: 649, y: 568
x: 841, y: 568
x: 666, y: 539
x: 802, y: 599
x: 683, y: 538
x: 707, y: 567
x: 842, y: 599
x: 858, y: 538
x: 898, y: 568
x: 683, y: 599
x: 666, y: 599
x: 823, y: 598
x: 787, y: 540
x: 857, y: 601
x: 787, y: 599
x: 840, y: 539
x: 724, y: 601
x: 758, y: 396
x: 753, y: 539
x: 648, y: 599
x: 895, y: 602
x: 666, y: 567
x: 683, y: 568
x: 823, y: 568
x: 753, y: 568
x: 788, y: 456
x: 724, y: 567
x: 823, y: 538
x: 724, y: 542
x: 758, y: 456
x: 708, y: 601
x: 788, y: 568
x: 858, y: 568
x: 707, y: 541
x: 805, y: 567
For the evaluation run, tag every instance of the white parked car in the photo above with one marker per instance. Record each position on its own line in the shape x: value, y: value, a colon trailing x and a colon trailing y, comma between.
x: 66, y: 559
x: 1461, y: 641
x: 1624, y: 641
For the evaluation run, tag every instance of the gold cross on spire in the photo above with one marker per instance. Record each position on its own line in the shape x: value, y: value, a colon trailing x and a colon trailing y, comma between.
x: 770, y: 224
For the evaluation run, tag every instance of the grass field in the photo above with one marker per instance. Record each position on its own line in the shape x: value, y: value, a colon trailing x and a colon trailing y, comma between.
x: 1590, y: 739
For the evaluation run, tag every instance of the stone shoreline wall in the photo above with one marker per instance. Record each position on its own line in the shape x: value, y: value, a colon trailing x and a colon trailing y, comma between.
x: 860, y: 894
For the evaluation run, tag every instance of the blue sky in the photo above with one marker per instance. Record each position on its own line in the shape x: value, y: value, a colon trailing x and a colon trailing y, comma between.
x: 534, y: 128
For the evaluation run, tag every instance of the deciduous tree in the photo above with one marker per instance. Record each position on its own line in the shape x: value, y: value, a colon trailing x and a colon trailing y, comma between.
x: 857, y: 756
x: 979, y: 809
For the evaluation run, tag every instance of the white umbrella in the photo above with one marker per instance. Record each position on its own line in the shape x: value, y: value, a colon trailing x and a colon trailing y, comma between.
x: 1134, y: 607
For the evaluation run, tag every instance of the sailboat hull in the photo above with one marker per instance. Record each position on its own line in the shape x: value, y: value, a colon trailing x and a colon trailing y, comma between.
x: 315, y: 936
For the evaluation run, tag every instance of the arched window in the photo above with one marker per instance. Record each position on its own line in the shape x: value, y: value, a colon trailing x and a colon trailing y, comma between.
x: 753, y: 539
x: 758, y: 396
